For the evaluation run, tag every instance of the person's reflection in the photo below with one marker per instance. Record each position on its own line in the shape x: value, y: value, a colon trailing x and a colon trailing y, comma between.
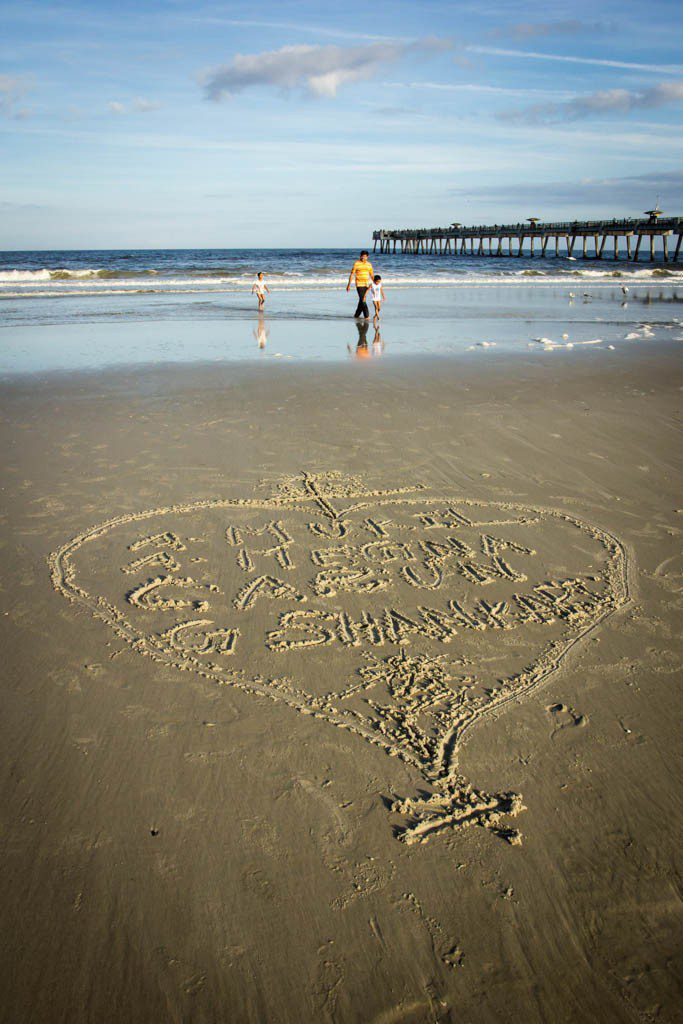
x: 377, y: 343
x: 361, y: 351
x: 261, y: 332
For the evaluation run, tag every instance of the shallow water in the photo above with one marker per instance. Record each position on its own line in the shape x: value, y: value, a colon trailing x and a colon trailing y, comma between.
x: 479, y: 320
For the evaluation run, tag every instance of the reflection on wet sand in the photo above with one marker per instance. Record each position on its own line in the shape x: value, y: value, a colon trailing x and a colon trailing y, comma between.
x: 261, y: 332
x: 362, y: 349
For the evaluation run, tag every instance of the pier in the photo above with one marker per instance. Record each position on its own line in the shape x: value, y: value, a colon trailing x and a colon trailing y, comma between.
x: 587, y: 239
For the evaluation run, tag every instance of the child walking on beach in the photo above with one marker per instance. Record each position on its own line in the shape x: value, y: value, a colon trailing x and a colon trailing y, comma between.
x: 377, y: 294
x: 260, y: 287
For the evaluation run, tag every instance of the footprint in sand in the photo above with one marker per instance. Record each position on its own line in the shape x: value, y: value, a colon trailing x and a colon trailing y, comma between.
x: 564, y: 717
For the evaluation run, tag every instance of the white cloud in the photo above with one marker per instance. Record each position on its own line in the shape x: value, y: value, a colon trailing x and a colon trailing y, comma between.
x: 320, y: 69
x: 606, y: 101
x: 138, y: 106
x: 660, y: 69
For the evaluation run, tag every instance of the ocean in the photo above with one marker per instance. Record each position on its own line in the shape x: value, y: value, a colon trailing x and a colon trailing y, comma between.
x: 435, y: 304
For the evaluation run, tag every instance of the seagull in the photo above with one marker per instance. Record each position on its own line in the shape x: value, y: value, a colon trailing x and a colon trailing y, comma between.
x: 571, y: 295
x: 624, y: 289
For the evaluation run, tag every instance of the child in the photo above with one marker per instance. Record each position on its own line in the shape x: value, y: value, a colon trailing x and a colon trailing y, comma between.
x: 260, y: 287
x: 377, y: 294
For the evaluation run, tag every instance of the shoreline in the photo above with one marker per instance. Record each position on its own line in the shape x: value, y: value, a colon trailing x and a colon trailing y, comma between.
x: 92, y: 332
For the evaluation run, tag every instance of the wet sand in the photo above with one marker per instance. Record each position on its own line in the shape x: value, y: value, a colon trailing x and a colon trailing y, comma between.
x: 446, y: 787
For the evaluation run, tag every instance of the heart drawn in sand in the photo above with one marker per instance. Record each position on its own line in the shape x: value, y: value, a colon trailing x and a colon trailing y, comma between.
x: 400, y: 615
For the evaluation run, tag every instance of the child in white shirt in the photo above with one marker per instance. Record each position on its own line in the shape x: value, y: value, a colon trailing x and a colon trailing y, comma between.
x: 377, y: 294
x: 260, y: 287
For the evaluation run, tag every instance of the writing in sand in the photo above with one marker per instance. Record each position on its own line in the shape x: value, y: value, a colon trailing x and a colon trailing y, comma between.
x: 388, y: 613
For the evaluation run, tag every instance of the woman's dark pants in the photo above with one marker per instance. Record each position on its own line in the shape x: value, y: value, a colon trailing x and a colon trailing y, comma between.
x: 362, y: 307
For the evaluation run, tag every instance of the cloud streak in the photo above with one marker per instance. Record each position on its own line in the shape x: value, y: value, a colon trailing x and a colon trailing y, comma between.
x: 138, y: 106
x: 477, y: 87
x: 606, y: 101
x: 660, y: 69
x: 321, y: 70
x: 632, y: 192
x: 540, y: 29
x: 12, y: 91
x: 292, y: 26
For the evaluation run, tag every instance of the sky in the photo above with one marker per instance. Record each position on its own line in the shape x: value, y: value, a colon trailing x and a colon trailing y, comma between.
x: 175, y: 124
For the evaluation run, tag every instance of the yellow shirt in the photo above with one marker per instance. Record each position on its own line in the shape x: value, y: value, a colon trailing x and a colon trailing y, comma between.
x: 363, y: 272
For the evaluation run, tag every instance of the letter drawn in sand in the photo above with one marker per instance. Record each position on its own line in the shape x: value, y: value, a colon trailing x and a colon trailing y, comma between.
x: 300, y: 629
x: 392, y: 578
x: 149, y: 597
x: 439, y: 559
x: 362, y: 580
x: 156, y: 558
x: 279, y: 550
x: 193, y: 637
x: 334, y: 529
x: 158, y: 540
x: 445, y: 518
x: 265, y: 586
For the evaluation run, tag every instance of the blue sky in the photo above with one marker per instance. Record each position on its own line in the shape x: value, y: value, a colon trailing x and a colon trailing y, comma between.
x: 177, y: 124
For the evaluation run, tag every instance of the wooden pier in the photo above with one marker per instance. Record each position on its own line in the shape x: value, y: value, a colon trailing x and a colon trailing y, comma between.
x: 588, y: 239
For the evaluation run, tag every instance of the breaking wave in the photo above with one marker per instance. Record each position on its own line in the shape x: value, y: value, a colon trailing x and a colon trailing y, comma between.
x: 56, y: 283
x: 92, y: 273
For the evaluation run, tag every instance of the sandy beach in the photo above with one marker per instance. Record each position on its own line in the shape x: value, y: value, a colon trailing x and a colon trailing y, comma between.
x: 341, y: 531
x: 344, y: 692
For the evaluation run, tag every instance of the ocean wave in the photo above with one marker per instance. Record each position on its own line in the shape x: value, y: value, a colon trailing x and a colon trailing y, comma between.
x: 239, y: 272
x: 62, y: 274
x: 95, y: 281
x: 105, y: 291
x: 46, y: 274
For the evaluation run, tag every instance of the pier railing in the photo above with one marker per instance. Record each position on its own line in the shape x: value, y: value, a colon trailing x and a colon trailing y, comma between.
x: 511, y: 239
